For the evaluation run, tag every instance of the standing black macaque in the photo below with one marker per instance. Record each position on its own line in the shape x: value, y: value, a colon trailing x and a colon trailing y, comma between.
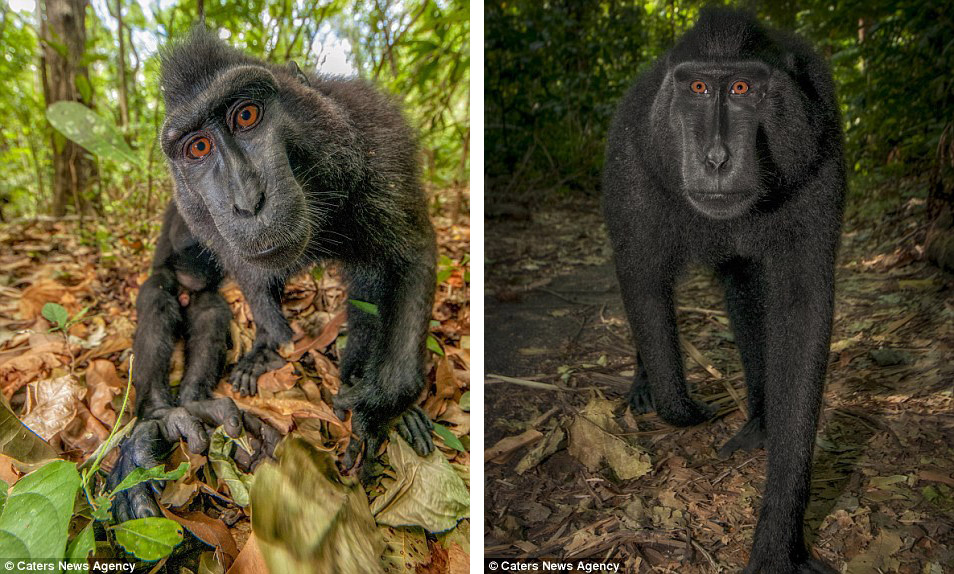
x: 728, y: 152
x: 275, y: 169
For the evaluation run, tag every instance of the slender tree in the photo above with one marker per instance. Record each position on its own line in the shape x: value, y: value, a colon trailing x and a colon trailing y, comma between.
x: 63, y: 34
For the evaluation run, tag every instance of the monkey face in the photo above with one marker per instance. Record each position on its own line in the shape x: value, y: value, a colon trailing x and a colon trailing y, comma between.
x: 230, y: 162
x: 714, y: 124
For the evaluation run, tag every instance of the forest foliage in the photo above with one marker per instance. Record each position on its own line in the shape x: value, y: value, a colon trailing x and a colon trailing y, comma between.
x: 555, y: 70
x: 417, y: 50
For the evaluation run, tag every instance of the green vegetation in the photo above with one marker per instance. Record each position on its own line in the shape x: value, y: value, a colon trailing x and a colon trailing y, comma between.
x: 555, y: 70
x: 104, y: 74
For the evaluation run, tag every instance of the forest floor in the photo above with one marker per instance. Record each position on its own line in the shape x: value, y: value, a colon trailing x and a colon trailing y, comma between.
x: 559, y: 360
x: 69, y: 392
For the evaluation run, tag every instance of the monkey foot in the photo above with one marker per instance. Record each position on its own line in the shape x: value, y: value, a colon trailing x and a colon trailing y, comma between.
x: 750, y: 437
x: 256, y: 362
x: 193, y: 422
x: 413, y: 425
x: 686, y: 413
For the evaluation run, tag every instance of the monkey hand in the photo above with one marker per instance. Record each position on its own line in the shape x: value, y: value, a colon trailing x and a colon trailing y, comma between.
x: 151, y: 441
x: 413, y: 425
x: 680, y: 412
x: 260, y: 359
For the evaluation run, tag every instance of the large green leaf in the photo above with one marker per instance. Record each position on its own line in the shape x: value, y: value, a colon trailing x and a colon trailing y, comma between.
x: 81, y: 545
x: 149, y: 538
x: 36, y: 517
x: 86, y: 128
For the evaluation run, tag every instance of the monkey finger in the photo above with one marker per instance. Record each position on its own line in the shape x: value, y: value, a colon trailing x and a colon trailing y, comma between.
x: 267, y: 435
x: 404, y: 432
x: 217, y: 412
x: 179, y: 423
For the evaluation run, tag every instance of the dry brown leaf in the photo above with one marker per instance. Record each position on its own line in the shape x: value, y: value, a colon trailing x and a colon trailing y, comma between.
x: 54, y: 405
x: 507, y: 446
x: 327, y: 336
x: 103, y: 383
x: 8, y: 471
x: 278, y: 380
x: 210, y: 530
x: 249, y: 560
x: 84, y: 433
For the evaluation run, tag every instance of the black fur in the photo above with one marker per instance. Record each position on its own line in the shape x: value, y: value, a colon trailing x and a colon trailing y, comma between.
x: 752, y: 185
x: 329, y: 173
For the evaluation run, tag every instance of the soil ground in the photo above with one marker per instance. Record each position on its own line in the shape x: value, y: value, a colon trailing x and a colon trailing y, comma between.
x: 556, y: 339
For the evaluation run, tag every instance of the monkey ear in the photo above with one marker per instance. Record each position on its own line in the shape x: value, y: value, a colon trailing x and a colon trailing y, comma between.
x: 296, y: 71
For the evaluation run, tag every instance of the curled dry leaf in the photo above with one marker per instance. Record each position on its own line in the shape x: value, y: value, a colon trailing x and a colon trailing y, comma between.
x: 594, y: 437
x: 327, y: 336
x: 210, y: 530
x: 84, y: 433
x: 278, y: 380
x: 103, y: 383
x: 54, y: 405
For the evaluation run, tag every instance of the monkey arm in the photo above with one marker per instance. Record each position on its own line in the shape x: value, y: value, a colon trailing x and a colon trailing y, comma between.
x: 797, y: 332
x: 392, y: 377
x: 660, y: 380
x: 264, y: 295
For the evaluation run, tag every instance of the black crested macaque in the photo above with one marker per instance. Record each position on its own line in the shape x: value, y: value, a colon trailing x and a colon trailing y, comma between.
x: 274, y: 170
x: 728, y: 153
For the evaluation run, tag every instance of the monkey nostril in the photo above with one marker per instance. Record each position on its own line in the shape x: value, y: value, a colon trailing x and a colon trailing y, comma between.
x: 242, y: 208
x: 717, y: 157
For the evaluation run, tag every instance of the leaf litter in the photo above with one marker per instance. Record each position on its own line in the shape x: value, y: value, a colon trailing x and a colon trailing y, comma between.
x: 68, y: 388
x: 883, y: 478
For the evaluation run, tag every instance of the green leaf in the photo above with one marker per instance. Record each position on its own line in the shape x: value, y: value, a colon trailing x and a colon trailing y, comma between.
x: 81, y: 545
x: 84, y: 88
x: 449, y: 438
x: 97, y: 135
x: 140, y: 475
x: 369, y: 308
x: 239, y: 483
x: 101, y: 508
x: 37, y: 513
x: 150, y: 538
x: 56, y: 314
x: 465, y: 401
x: 434, y: 345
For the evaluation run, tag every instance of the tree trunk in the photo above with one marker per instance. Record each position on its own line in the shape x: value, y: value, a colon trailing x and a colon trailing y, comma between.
x: 63, y: 33
x: 940, y: 205
x: 123, y: 102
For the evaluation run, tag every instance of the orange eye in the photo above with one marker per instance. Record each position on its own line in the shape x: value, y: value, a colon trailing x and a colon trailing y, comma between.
x: 246, y: 116
x: 739, y: 87
x: 699, y: 87
x: 199, y: 147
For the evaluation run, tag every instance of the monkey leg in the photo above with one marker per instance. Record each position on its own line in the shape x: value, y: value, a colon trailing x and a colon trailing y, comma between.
x: 659, y: 380
x: 797, y: 331
x: 393, y: 374
x: 744, y: 301
x: 264, y: 296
